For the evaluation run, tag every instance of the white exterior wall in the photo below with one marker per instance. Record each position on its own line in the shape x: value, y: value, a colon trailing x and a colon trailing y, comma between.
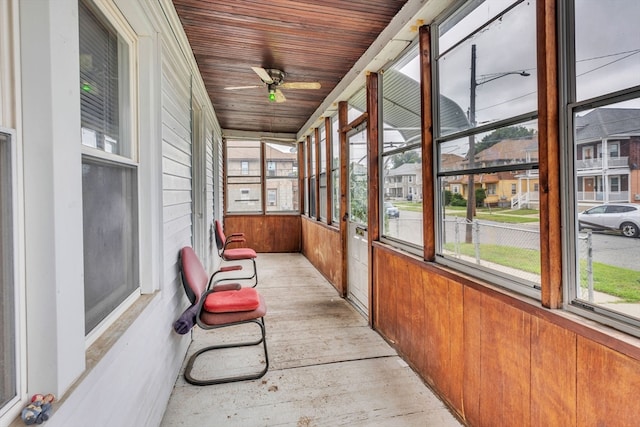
x: 127, y: 375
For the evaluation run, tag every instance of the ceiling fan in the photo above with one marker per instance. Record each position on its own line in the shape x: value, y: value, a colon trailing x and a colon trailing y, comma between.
x: 273, y: 79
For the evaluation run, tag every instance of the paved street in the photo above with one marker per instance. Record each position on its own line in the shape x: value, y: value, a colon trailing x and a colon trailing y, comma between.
x: 607, y: 248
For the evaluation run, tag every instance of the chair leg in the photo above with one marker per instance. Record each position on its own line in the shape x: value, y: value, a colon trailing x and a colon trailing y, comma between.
x: 254, y: 376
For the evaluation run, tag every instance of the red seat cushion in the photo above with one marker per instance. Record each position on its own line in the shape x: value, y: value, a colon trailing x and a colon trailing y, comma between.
x: 244, y: 299
x: 239, y: 253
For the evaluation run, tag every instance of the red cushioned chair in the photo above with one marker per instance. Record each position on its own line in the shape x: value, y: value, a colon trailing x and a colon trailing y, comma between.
x: 233, y: 305
x: 235, y: 254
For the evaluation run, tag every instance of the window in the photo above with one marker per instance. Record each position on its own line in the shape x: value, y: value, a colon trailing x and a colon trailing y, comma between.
x: 402, y: 153
x: 335, y: 171
x: 312, y: 177
x: 305, y: 174
x: 487, y: 130
x: 271, y: 168
x: 247, y: 170
x: 614, y: 150
x: 614, y: 183
x: 282, y: 177
x: 109, y: 168
x: 272, y: 196
x: 8, y: 286
x: 244, y: 180
x: 323, y: 173
x: 603, y: 99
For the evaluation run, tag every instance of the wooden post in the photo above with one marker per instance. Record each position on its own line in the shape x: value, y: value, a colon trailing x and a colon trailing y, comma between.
x: 549, y: 159
x: 428, y: 194
x: 343, y: 117
x: 373, y: 193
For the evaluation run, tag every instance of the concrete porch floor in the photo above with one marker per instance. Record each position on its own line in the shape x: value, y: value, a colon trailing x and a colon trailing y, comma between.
x: 327, y: 367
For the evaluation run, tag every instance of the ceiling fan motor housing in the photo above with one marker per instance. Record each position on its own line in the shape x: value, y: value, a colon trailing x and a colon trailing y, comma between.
x: 277, y: 76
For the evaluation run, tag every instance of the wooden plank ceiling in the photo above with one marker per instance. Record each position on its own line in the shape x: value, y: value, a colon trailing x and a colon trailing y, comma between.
x: 310, y: 40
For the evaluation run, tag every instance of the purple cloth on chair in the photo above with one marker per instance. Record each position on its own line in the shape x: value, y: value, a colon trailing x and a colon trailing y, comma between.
x: 186, y: 321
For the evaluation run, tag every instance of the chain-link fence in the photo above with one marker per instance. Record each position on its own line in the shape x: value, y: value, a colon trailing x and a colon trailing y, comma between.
x: 510, y: 249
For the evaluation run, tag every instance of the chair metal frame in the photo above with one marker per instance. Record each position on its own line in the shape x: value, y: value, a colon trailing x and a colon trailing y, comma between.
x: 225, y: 319
x: 235, y: 254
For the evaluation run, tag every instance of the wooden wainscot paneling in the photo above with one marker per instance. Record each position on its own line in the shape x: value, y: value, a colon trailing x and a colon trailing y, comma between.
x: 385, y: 286
x: 266, y: 233
x: 607, y: 387
x: 497, y: 361
x: 321, y: 245
x: 443, y: 329
x: 553, y: 374
x: 421, y: 313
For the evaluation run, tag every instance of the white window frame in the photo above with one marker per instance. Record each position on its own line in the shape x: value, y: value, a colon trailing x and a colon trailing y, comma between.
x: 13, y: 248
x: 112, y: 15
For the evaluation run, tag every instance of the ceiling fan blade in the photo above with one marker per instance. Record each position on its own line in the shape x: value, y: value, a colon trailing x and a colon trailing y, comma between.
x: 300, y: 85
x: 242, y: 87
x: 280, y: 96
x: 263, y: 74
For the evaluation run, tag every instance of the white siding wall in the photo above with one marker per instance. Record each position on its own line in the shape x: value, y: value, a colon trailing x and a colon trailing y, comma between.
x: 126, y: 378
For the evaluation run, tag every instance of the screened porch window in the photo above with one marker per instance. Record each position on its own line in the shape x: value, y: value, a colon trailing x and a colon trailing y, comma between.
x: 486, y: 129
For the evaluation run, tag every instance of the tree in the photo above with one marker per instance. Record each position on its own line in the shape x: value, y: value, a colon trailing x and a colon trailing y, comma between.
x: 481, y: 194
x: 406, y: 157
x: 511, y: 132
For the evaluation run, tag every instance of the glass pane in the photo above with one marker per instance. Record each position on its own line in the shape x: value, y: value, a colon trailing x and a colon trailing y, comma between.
x: 607, y: 46
x: 282, y: 177
x: 110, y: 211
x: 323, y: 196
x: 335, y: 199
x: 282, y: 194
x: 335, y: 144
x: 517, y: 144
x: 323, y: 149
x: 244, y: 195
x: 8, y: 379
x: 491, y: 75
x: 402, y: 187
x: 312, y: 149
x: 243, y: 158
x: 608, y: 201
x: 104, y: 85
x: 281, y: 160
x: 500, y: 237
x: 312, y: 196
x: 358, y: 174
x: 401, y: 107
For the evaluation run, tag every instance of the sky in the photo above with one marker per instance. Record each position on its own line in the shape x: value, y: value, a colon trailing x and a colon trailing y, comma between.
x: 607, y: 52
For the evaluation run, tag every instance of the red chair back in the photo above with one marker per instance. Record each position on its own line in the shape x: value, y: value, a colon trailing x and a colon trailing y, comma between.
x: 194, y: 277
x: 220, y: 237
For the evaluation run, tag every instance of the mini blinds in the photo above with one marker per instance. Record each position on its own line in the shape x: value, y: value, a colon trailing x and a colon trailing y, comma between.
x: 101, y: 57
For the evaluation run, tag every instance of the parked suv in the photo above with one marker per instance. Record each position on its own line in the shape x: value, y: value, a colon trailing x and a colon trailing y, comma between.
x: 622, y: 217
x: 391, y: 211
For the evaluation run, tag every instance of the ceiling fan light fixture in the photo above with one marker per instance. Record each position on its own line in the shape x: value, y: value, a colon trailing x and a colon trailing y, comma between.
x: 272, y: 92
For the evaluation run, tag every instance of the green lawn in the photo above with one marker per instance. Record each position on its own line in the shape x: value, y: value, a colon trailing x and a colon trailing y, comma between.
x: 499, y: 215
x: 619, y: 282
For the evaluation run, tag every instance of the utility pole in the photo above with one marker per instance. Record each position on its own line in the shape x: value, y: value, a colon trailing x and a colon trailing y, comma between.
x: 471, y: 154
x: 471, y: 189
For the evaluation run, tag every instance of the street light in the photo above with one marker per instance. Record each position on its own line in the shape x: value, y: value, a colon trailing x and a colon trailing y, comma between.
x: 471, y: 196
